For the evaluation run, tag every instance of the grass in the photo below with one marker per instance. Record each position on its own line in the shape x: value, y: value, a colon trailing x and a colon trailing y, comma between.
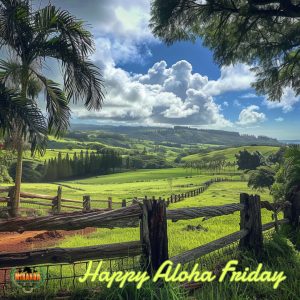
x: 157, y: 182
x: 181, y: 240
x: 229, y: 153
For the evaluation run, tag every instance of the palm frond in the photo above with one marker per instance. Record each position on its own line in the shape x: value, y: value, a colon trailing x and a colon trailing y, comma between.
x: 57, y: 106
x: 15, y: 29
x: 53, y: 20
x: 10, y: 72
x: 82, y: 79
x: 23, y: 114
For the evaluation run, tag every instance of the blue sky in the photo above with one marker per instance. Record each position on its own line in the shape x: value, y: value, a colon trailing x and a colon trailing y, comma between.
x: 148, y: 83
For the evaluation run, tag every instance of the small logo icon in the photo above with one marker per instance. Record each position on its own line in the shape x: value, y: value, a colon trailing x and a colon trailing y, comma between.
x: 27, y: 278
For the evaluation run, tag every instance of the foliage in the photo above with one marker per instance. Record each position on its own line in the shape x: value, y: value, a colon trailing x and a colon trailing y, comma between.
x: 4, y: 175
x: 249, y: 161
x: 34, y: 36
x: 83, y: 165
x: 32, y: 171
x: 277, y: 157
x: 263, y: 34
x: 21, y: 113
x: 262, y: 177
x: 288, y: 175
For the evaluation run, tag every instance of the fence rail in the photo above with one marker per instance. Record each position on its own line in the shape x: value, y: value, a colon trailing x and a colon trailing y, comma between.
x: 58, y: 202
x: 151, y: 216
x: 70, y: 255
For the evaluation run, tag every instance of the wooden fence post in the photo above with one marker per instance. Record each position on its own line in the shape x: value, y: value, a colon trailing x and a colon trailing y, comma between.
x: 109, y: 202
x: 250, y: 219
x: 86, y: 203
x: 56, y: 203
x: 154, y: 236
x: 124, y: 203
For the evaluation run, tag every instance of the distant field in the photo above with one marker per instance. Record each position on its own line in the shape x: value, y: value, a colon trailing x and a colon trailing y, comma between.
x: 230, y: 152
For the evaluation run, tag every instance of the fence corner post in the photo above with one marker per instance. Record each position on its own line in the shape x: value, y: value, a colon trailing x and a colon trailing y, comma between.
x: 86, y: 203
x: 154, y: 236
x: 250, y: 220
x: 124, y: 203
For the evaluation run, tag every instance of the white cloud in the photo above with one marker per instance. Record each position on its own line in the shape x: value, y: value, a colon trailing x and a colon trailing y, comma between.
x: 250, y: 116
x: 225, y: 103
x: 279, y: 119
x: 233, y: 78
x: 249, y: 96
x: 173, y: 95
x: 287, y: 102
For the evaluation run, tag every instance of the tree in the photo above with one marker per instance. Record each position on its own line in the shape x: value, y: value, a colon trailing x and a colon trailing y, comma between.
x: 288, y: 175
x: 248, y: 161
x: 261, y: 178
x: 264, y: 34
x: 32, y: 37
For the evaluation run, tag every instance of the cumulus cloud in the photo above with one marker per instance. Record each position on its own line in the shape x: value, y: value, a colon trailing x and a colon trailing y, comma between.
x: 237, y: 78
x: 164, y: 95
x: 287, y: 102
x: 250, y: 115
x: 120, y: 28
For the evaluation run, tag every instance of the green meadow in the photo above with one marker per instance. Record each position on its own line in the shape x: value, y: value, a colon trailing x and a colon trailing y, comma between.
x: 180, y: 239
x: 158, y: 183
x: 229, y: 153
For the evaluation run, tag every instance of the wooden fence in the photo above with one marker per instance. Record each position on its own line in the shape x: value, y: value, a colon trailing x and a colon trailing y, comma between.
x: 54, y: 202
x: 57, y: 202
x: 151, y: 216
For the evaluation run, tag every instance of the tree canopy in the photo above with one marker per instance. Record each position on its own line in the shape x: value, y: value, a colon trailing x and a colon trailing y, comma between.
x: 261, y: 33
x: 249, y: 161
x: 261, y: 178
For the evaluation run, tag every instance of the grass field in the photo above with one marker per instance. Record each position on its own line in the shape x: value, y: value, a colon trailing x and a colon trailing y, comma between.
x: 181, y: 240
x: 157, y: 183
x: 229, y: 153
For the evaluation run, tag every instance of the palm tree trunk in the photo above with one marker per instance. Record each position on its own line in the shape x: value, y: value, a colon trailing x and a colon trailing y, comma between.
x: 18, y: 179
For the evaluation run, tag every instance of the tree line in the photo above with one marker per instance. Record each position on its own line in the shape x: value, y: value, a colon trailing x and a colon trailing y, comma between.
x: 82, y: 164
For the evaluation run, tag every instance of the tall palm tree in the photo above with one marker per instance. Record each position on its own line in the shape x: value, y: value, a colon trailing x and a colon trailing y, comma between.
x: 31, y: 38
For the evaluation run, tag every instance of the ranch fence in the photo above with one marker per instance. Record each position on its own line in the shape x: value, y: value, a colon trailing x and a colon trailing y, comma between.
x: 152, y: 249
x: 57, y: 203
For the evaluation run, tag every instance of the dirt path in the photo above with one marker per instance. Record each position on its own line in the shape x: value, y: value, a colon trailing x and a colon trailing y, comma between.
x: 29, y: 240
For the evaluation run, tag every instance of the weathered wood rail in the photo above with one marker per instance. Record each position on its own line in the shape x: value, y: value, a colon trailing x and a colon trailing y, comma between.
x: 151, y: 216
x: 55, y: 202
x: 122, y: 217
x: 70, y: 255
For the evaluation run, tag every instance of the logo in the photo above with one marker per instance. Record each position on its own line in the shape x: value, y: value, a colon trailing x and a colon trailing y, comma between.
x: 27, y: 278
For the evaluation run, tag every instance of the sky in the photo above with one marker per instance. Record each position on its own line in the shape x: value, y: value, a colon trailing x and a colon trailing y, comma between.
x: 150, y: 84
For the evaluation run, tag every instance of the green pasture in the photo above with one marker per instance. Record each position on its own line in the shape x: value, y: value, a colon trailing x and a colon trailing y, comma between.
x: 181, y: 240
x: 229, y: 153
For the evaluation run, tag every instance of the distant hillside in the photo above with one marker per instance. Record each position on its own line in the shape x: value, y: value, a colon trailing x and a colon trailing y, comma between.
x: 230, y: 153
x: 183, y: 135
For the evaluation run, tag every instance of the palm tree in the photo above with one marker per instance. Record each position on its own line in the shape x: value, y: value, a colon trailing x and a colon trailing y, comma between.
x: 31, y: 38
